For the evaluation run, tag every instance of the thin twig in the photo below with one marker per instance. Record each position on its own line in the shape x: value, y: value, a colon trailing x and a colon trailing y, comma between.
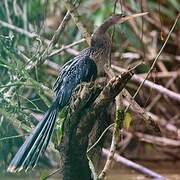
x: 104, y: 132
x: 115, y: 137
x: 161, y: 141
x: 12, y: 137
x: 138, y: 109
x: 7, y: 12
x: 156, y: 99
x: 150, y: 84
x: 53, y: 41
x: 13, y: 84
x: 51, y: 174
x: 12, y: 119
x: 19, y: 30
x: 135, y: 166
x: 76, y: 17
x: 156, y: 59
x: 55, y: 52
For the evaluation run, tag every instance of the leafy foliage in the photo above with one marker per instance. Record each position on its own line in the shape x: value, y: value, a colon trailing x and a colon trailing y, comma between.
x: 23, y: 92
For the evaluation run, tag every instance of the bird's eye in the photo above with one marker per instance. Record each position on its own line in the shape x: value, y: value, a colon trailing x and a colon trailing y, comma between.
x: 97, y: 43
x: 93, y: 42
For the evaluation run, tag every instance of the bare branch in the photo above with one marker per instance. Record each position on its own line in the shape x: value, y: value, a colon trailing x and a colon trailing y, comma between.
x: 53, y: 41
x: 19, y: 30
x: 156, y: 59
x: 150, y: 84
x: 76, y: 17
x: 162, y: 141
x: 135, y: 166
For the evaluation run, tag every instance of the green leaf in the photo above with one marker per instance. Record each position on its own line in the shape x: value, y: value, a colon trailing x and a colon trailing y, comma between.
x: 59, y: 134
x: 175, y: 4
x: 43, y: 174
x: 127, y: 121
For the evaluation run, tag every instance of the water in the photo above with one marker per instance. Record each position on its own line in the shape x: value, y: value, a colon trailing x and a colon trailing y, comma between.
x: 170, y: 170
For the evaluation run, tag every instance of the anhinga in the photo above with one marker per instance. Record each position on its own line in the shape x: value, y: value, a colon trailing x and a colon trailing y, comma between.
x: 82, y: 68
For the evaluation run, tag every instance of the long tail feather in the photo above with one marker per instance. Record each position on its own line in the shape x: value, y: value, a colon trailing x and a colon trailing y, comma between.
x: 34, y: 144
x: 34, y: 157
x: 44, y: 142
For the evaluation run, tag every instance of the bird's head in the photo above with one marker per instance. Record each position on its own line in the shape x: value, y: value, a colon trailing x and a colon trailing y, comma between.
x: 100, y: 38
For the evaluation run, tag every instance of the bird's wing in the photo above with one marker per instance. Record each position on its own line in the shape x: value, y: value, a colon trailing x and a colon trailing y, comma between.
x: 67, y: 66
x: 81, y: 69
x: 62, y: 72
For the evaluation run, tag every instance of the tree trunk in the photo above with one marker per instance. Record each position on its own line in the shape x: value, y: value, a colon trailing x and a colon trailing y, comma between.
x: 89, y: 102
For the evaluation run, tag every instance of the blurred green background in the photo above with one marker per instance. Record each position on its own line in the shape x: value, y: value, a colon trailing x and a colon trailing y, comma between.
x: 25, y: 96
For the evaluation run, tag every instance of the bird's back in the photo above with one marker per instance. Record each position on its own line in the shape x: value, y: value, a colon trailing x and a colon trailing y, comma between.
x: 79, y: 69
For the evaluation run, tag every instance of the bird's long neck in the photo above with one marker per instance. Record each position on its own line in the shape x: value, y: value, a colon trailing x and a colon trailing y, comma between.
x: 101, y: 54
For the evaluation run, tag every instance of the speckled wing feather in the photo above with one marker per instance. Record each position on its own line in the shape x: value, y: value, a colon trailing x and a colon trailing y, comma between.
x: 80, y: 69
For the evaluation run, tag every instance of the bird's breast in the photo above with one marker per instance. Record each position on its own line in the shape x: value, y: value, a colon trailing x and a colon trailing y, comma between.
x: 100, y: 63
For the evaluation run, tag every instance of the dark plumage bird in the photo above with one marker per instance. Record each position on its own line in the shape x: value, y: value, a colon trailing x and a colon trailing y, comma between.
x: 82, y: 68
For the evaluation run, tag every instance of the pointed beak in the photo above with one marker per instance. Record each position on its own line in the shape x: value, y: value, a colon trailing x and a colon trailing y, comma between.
x: 116, y: 19
x: 128, y: 17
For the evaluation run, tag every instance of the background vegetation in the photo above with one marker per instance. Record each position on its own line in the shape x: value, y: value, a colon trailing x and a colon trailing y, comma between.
x: 26, y: 28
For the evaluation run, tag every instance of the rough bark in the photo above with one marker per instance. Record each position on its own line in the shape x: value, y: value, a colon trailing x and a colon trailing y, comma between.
x: 85, y: 107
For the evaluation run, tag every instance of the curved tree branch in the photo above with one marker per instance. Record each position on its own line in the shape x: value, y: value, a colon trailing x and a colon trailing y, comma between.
x: 84, y: 109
